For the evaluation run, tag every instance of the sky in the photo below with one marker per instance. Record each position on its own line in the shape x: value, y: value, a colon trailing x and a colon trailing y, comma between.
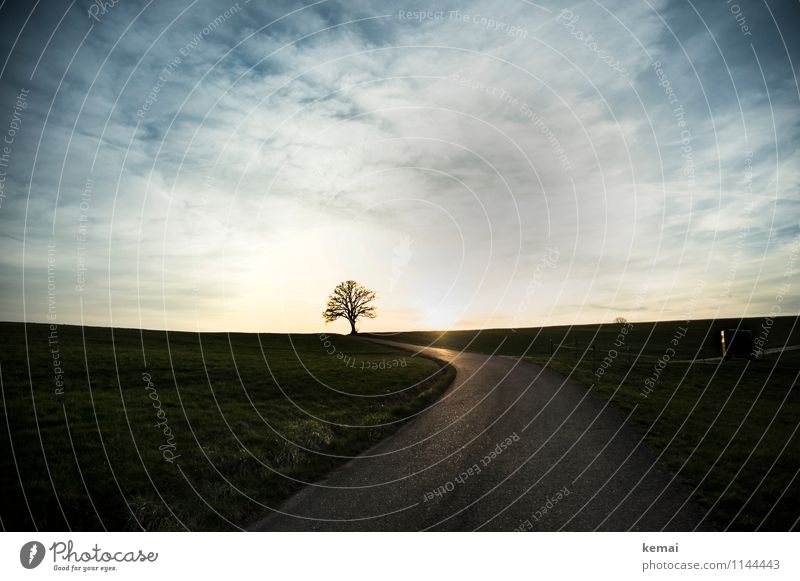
x: 219, y: 166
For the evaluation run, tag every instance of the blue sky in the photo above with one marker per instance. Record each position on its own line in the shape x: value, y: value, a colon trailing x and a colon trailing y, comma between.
x: 221, y: 166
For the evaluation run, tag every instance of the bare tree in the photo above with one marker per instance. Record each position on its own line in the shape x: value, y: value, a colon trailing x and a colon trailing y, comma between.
x: 351, y: 301
x: 621, y: 320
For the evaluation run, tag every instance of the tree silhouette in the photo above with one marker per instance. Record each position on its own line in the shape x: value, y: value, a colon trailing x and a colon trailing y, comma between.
x: 351, y: 301
x: 621, y: 320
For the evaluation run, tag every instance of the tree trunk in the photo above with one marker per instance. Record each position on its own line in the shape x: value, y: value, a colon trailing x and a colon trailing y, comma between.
x: 353, y: 328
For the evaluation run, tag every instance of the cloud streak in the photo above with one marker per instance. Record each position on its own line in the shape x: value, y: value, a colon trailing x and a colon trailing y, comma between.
x: 244, y: 159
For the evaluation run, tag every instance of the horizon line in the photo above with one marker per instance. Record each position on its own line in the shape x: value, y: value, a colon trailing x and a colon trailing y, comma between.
x: 511, y: 329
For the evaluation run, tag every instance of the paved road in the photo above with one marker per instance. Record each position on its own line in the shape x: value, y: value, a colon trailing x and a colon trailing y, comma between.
x: 552, y: 456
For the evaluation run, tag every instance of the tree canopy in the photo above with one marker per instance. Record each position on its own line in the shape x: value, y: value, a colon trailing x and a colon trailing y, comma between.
x: 351, y: 301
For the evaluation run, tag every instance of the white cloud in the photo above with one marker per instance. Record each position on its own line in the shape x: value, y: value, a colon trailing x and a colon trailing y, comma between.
x: 262, y: 179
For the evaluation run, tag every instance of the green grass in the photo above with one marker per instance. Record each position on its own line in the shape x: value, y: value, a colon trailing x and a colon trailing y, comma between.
x: 246, y: 414
x: 650, y: 338
x: 728, y: 429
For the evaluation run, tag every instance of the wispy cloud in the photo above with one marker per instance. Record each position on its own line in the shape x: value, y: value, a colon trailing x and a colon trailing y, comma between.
x: 243, y: 159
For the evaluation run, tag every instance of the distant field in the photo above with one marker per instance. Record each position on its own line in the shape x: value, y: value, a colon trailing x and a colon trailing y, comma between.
x: 240, y: 415
x: 701, y: 340
x: 728, y: 429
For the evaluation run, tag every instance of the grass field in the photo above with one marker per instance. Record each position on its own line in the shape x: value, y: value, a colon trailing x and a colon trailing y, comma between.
x: 728, y: 429
x: 125, y: 430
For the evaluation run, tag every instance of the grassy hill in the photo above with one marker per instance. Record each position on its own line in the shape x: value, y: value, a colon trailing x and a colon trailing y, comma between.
x: 128, y: 430
x: 728, y: 429
x: 702, y: 338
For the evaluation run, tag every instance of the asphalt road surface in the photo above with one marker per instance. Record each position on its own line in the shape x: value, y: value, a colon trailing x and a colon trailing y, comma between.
x: 509, y: 446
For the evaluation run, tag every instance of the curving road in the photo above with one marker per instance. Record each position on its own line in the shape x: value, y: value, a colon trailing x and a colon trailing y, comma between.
x: 509, y: 446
